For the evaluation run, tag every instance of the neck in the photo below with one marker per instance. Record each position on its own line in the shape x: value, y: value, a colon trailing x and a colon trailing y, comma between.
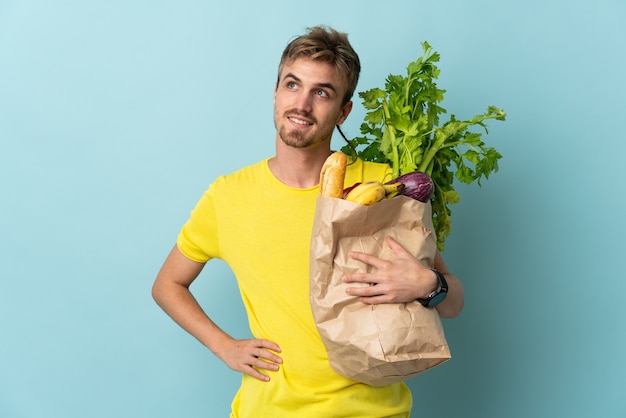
x: 299, y: 168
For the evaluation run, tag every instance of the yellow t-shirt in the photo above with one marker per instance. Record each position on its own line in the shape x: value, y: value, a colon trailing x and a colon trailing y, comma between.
x: 262, y: 228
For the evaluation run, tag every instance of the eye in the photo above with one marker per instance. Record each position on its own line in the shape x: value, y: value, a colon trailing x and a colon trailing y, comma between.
x: 291, y: 85
x: 321, y: 93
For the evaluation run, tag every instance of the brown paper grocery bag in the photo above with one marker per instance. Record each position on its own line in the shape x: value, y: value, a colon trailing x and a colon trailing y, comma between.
x: 373, y: 344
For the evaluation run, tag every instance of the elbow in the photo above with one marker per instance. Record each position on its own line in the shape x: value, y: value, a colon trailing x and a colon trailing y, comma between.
x: 452, y: 305
x: 451, y: 308
x: 157, y: 292
x: 451, y: 313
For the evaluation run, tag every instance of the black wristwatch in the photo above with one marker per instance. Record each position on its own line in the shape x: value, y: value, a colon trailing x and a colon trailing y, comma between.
x: 438, y: 295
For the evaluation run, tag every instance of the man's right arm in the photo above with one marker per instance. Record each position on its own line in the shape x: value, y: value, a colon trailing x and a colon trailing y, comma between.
x: 171, y: 292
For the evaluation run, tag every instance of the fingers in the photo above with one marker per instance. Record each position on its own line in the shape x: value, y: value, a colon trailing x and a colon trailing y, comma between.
x: 367, y: 259
x: 400, y: 279
x: 268, y: 345
x: 366, y: 292
x: 255, y: 364
x: 261, y: 358
x: 254, y: 356
x: 263, y: 353
x: 394, y: 245
x: 391, y: 292
x: 375, y: 300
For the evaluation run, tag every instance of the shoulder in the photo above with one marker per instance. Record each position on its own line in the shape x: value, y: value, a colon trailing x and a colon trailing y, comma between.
x: 248, y: 173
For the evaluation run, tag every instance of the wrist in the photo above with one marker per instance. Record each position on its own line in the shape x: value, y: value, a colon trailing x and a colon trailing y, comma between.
x: 434, y: 284
x: 440, y: 292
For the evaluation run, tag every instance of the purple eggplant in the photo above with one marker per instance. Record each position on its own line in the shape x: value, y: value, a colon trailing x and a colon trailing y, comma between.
x: 417, y: 185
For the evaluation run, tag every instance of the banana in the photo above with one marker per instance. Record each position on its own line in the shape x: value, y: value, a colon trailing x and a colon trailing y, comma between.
x: 393, y: 189
x: 367, y: 193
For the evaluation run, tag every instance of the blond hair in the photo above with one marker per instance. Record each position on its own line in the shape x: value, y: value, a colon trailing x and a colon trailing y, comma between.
x: 325, y: 44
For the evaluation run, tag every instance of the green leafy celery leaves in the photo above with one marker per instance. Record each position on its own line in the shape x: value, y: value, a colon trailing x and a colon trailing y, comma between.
x: 402, y: 128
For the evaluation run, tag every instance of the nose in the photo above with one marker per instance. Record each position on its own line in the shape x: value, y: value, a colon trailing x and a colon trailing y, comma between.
x: 304, y: 102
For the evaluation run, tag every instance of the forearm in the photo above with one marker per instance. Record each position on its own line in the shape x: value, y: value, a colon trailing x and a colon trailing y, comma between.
x: 452, y: 305
x: 171, y: 292
x: 180, y: 304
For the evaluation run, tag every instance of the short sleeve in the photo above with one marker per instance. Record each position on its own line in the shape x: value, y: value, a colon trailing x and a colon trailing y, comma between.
x: 198, y: 238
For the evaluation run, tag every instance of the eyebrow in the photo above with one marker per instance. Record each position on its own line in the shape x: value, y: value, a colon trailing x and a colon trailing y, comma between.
x: 323, y: 85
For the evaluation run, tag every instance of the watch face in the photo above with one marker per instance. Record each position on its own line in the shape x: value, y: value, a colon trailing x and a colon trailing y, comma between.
x: 437, y: 299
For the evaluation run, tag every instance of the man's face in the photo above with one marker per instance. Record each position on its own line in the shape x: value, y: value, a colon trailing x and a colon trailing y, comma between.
x: 308, y: 103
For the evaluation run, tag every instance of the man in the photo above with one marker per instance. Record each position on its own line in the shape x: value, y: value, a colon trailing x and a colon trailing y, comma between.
x: 258, y: 220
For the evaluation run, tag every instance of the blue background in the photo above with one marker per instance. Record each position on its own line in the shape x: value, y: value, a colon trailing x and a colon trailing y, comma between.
x: 115, y: 116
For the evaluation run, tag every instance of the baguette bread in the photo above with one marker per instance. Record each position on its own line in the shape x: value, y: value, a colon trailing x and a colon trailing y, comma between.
x: 333, y: 174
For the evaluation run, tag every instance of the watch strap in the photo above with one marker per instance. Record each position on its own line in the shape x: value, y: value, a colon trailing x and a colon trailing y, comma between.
x: 438, y: 295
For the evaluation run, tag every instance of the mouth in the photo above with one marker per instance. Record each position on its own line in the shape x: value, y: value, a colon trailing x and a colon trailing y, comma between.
x: 297, y: 120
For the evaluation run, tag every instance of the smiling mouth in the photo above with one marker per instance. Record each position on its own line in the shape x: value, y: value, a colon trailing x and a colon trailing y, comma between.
x: 299, y: 119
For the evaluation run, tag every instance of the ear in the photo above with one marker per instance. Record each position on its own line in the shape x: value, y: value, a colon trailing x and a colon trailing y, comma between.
x: 345, y: 111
